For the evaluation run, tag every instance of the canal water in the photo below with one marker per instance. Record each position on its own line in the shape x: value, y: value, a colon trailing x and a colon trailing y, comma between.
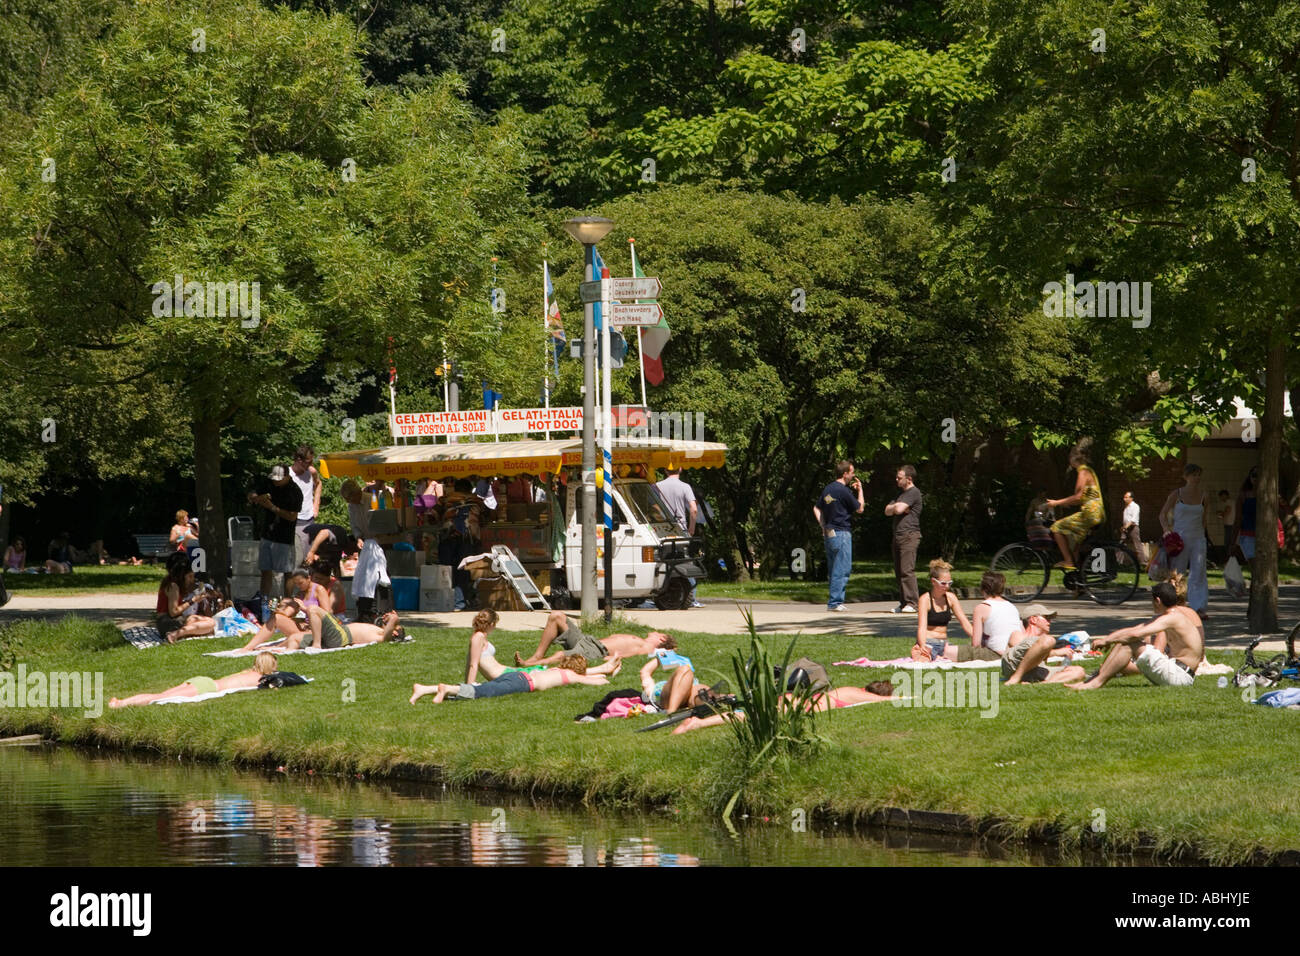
x: 68, y: 807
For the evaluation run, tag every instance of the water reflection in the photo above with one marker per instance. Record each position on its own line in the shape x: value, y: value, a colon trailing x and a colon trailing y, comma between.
x: 74, y: 808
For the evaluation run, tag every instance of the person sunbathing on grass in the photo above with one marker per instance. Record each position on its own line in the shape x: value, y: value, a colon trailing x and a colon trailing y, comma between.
x: 570, y: 637
x: 679, y: 690
x: 1183, y: 634
x: 571, y: 670
x: 327, y: 632
x: 197, y: 686
x: 482, y: 653
x: 303, y: 592
x: 836, y: 698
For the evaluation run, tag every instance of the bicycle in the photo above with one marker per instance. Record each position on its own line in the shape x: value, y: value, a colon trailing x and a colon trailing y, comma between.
x: 1106, y: 571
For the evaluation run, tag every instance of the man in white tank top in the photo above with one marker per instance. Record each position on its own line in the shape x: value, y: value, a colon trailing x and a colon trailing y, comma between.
x: 308, y: 481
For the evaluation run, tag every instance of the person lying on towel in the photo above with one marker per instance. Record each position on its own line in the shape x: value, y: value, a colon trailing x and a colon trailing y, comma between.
x: 326, y: 631
x: 569, y: 670
x: 839, y: 697
x: 197, y: 686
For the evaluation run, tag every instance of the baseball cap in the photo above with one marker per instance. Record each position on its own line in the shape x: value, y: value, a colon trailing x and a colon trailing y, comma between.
x: 278, y: 473
x: 1036, y: 610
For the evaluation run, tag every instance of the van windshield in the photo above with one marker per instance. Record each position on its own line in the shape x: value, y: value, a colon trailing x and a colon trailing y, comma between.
x: 644, y: 497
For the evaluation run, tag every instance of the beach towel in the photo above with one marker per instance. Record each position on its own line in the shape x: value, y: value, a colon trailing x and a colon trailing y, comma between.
x: 906, y: 663
x: 241, y: 652
x: 220, y: 693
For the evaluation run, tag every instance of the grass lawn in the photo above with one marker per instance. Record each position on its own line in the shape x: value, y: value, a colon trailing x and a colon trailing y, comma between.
x: 88, y: 579
x: 873, y: 580
x: 1185, y: 767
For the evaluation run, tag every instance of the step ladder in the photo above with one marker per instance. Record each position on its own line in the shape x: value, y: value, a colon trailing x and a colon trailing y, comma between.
x: 513, y: 571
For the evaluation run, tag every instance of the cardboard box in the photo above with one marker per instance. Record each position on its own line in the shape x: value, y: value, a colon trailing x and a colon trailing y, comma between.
x: 497, y: 594
x: 435, y: 576
x: 437, y: 600
x: 480, y: 569
x: 244, y: 557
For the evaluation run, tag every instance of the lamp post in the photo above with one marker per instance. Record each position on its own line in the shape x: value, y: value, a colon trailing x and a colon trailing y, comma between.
x: 588, y: 230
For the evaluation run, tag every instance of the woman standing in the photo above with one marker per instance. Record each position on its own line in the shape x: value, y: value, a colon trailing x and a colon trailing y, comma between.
x: 935, y: 611
x: 1185, y: 513
x: 1091, y: 513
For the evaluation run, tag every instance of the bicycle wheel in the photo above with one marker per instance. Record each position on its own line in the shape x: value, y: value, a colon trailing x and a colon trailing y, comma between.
x: 1108, y: 572
x: 1025, y: 570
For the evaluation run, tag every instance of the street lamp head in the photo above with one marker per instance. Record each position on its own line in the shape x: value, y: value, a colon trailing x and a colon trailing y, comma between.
x: 588, y: 230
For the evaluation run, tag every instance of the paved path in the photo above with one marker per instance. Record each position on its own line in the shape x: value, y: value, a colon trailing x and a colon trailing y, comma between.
x: 1225, y: 629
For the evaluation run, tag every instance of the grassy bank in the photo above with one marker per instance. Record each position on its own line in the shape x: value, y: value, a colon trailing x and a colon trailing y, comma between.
x: 88, y: 579
x: 1185, y: 768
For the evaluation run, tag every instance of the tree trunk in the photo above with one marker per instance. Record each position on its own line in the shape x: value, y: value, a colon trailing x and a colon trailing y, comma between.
x: 1263, y: 584
x: 207, y: 491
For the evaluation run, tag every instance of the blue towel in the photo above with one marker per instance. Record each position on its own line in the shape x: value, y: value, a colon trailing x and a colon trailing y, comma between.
x: 1280, y: 698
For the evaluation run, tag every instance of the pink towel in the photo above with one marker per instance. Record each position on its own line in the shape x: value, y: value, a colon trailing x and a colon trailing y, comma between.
x: 623, y: 707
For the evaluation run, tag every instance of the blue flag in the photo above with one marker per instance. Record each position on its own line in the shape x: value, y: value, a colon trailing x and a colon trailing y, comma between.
x: 597, y: 268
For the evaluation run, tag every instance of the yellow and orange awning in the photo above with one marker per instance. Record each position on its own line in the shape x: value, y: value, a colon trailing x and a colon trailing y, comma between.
x: 509, y: 458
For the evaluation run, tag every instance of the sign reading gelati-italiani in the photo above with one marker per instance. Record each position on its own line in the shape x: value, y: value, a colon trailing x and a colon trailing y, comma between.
x: 505, y: 421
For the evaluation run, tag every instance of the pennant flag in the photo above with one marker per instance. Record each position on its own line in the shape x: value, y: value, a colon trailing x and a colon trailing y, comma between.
x: 554, y: 324
x: 490, y: 398
x: 597, y: 268
x: 653, y: 339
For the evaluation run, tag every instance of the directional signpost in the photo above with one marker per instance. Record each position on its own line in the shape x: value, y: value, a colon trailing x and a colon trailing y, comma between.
x: 644, y: 313
x: 623, y: 289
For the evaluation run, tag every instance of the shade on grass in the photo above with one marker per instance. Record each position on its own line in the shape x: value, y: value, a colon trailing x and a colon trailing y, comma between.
x: 1193, y: 767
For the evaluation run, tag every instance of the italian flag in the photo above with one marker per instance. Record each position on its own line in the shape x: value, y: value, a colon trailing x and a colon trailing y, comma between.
x: 652, y: 339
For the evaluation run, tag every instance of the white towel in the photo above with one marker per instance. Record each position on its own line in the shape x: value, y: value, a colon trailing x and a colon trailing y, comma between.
x: 241, y: 652
x: 220, y: 693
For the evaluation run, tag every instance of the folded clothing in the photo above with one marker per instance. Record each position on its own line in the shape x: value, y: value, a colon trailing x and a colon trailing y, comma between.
x: 1286, y: 697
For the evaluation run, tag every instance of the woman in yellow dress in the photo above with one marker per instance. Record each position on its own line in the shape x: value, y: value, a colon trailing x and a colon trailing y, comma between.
x: 1091, y: 513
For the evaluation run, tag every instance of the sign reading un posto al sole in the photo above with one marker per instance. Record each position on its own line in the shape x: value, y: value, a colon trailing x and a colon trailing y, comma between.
x: 504, y: 421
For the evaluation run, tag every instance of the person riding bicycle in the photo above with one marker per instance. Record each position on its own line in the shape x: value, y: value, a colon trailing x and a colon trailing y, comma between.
x: 1091, y: 513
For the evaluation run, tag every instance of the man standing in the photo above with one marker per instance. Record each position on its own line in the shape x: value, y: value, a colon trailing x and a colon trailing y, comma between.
x: 284, y: 501
x: 680, y: 498
x: 309, y: 483
x: 906, y: 512
x: 833, y: 510
x: 1131, y: 527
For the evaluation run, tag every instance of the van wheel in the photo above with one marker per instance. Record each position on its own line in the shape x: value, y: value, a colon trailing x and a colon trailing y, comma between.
x: 675, y: 596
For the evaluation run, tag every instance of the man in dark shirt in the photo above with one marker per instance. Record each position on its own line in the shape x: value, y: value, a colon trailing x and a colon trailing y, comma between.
x: 906, y: 512
x: 833, y: 510
x: 283, y: 498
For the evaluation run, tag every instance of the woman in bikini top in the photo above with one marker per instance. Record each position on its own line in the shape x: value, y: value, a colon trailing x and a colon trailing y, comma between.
x: 935, y: 611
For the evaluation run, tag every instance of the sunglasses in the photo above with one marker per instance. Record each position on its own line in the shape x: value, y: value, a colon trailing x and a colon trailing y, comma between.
x: 943, y: 584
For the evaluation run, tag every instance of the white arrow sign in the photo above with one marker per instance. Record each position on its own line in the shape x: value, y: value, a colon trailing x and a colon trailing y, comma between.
x: 647, y: 287
x: 647, y: 313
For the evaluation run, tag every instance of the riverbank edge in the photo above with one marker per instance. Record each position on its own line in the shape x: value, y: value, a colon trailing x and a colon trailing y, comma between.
x: 1003, y: 830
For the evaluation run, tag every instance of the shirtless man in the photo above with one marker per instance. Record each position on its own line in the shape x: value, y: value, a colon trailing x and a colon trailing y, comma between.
x: 1182, y: 631
x: 560, y: 628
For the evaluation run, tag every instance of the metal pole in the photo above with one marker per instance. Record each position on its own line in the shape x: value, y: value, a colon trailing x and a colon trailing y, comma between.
x: 589, y: 597
x: 548, y: 345
x: 606, y: 433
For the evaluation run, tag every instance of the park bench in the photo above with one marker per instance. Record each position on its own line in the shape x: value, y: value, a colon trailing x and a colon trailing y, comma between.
x: 153, y: 546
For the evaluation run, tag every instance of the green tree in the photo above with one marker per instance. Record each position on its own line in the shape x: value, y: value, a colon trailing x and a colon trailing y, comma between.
x: 1148, y: 144
x: 228, y: 143
x: 806, y: 332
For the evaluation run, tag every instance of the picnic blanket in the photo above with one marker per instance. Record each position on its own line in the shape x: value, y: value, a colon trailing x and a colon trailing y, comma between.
x: 220, y: 693
x: 145, y: 636
x: 269, y: 645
